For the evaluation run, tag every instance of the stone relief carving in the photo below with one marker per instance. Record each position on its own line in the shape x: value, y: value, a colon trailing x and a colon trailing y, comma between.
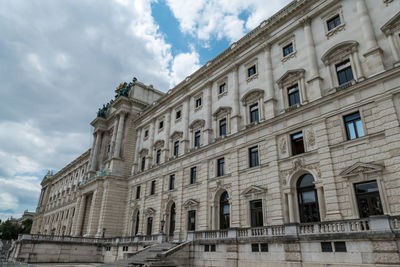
x: 283, y: 146
x: 298, y: 164
x: 310, y: 138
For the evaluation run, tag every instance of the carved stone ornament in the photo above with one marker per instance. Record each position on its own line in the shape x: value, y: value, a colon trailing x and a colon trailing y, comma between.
x: 283, y: 146
x: 197, y: 124
x: 176, y: 135
x: 310, y: 138
x: 149, y: 212
x: 252, y: 96
x: 393, y: 25
x: 143, y: 152
x: 159, y: 144
x: 297, y: 165
x: 191, y: 203
x: 290, y: 77
x: 361, y: 168
x: 339, y: 52
x: 222, y: 111
x: 253, y: 190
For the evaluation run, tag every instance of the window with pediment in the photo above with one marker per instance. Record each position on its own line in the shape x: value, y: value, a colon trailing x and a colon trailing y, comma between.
x: 333, y: 21
x: 254, y: 104
x: 252, y: 70
x: 159, y: 150
x: 222, y: 121
x: 143, y: 156
x: 222, y: 87
x: 175, y: 138
x: 196, y: 127
x: 293, y: 89
x: 288, y: 47
x: 392, y: 31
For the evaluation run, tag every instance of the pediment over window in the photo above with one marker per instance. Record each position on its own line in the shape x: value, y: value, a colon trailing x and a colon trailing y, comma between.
x: 190, y: 203
x: 176, y: 135
x: 393, y: 25
x: 149, y: 212
x: 361, y: 168
x: 291, y: 76
x: 252, y: 96
x: 143, y: 151
x: 197, y: 124
x: 253, y: 189
x: 339, y: 52
x: 159, y: 144
x: 221, y: 111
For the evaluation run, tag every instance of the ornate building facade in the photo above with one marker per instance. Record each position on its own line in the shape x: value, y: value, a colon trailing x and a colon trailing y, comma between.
x: 291, y: 131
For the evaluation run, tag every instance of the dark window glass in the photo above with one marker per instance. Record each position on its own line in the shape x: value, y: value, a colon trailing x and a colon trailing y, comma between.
x: 137, y: 223
x: 251, y: 71
x: 333, y: 22
x: 255, y: 248
x: 146, y: 133
x: 256, y: 213
x: 340, y: 247
x: 344, y: 72
x: 368, y: 199
x: 326, y: 247
x: 153, y: 187
x: 193, y: 175
x: 198, y: 102
x: 354, y: 127
x: 222, y: 88
x: 224, y: 214
x: 307, y: 199
x: 143, y: 163
x: 149, y: 225
x: 264, y: 247
x: 158, y: 156
x: 294, y: 95
x: 171, y: 182
x: 172, y: 218
x: 191, y: 220
x: 254, y: 113
x: 206, y: 248
x: 197, y: 139
x: 161, y: 125
x: 297, y: 143
x: 212, y: 248
x: 177, y: 114
x: 253, y: 156
x: 221, y: 167
x: 176, y: 148
x: 138, y: 192
x: 287, y: 50
x: 222, y: 127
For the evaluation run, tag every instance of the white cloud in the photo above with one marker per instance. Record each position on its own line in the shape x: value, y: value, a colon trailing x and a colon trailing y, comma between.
x: 8, y: 201
x: 183, y: 65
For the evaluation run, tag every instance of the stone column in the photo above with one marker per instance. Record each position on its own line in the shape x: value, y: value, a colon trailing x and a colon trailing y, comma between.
x: 96, y: 150
x: 359, y: 71
x: 80, y: 216
x: 208, y: 123
x: 291, y: 207
x: 120, y: 133
x: 186, y: 111
x: 152, y: 129
x: 167, y: 134
x: 114, y: 136
x: 393, y: 47
x: 235, y: 118
x: 321, y: 200
x: 269, y: 97
x: 135, y: 166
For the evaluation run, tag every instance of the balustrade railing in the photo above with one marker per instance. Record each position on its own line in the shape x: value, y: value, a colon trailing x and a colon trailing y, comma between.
x: 334, y: 227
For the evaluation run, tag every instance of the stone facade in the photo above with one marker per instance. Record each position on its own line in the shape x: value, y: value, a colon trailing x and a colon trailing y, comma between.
x: 137, y: 179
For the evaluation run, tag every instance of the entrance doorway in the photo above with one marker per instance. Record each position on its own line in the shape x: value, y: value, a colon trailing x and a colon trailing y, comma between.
x: 368, y: 199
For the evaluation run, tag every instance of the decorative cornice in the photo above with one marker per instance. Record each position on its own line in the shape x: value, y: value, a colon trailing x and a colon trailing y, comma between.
x: 361, y: 168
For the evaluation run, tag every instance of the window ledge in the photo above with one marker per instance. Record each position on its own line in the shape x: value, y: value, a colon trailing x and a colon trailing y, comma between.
x: 220, y: 177
x: 252, y: 77
x: 288, y: 57
x: 178, y: 120
x: 335, y: 30
x: 254, y: 169
x: 198, y: 108
x: 192, y: 185
x: 222, y: 94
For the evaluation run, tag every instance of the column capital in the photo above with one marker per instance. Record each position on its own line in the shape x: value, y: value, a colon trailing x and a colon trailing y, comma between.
x: 306, y: 21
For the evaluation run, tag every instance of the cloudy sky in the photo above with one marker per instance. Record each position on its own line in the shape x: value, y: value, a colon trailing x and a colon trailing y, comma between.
x: 61, y: 60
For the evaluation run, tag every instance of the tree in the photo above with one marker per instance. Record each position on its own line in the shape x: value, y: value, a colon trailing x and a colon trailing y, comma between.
x: 9, y: 229
x: 26, y: 226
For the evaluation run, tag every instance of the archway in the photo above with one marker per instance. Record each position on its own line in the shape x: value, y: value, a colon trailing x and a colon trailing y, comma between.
x: 172, y: 220
x: 224, y: 211
x: 307, y: 199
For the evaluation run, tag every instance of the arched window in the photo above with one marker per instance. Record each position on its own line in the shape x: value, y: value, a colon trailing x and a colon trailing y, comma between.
x: 308, y: 200
x: 149, y: 225
x: 224, y: 214
x: 172, y: 218
x: 137, y: 223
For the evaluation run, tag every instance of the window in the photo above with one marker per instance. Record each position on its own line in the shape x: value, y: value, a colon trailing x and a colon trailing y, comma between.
x: 224, y: 211
x: 222, y: 88
x: 198, y: 102
x: 326, y: 247
x: 197, y: 139
x: 153, y: 187
x: 212, y: 248
x: 108, y: 248
x: 138, y: 192
x: 256, y: 213
x: 221, y: 167
x: 137, y: 223
x: 209, y: 248
x: 193, y: 175
x: 307, y: 199
x: 344, y: 72
x: 340, y: 246
x: 297, y: 143
x: 146, y: 133
x: 149, y: 225
x: 172, y: 218
x: 251, y: 71
x: 158, y: 156
x: 143, y: 163
x: 368, y: 199
x: 333, y: 22
x: 177, y: 114
x: 191, y: 220
x: 222, y: 127
x: 125, y: 248
x: 294, y: 95
x: 254, y: 113
x: 176, y: 148
x: 253, y: 156
x: 263, y: 247
x: 160, y: 125
x: 255, y: 248
x: 171, y: 182
x: 354, y: 127
x: 287, y: 50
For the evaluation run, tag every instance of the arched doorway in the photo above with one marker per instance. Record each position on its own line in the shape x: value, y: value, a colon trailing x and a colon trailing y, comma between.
x: 224, y: 211
x: 307, y: 199
x: 172, y: 219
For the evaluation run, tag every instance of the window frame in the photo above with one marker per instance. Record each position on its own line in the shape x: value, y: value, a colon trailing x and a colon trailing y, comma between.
x: 152, y: 187
x: 220, y: 167
x: 297, y: 96
x: 189, y: 224
x: 293, y: 142
x: 143, y: 164
x: 160, y: 125
x: 254, y: 159
x: 197, y: 139
x: 354, y: 123
x: 257, y: 119
x: 171, y: 184
x: 193, y: 175
x: 223, y: 87
x: 220, y: 127
x: 176, y: 148
x: 286, y: 51
x: 198, y: 103
x: 138, y: 192
x: 334, y: 20
x: 328, y: 16
x: 158, y: 156
x: 344, y: 66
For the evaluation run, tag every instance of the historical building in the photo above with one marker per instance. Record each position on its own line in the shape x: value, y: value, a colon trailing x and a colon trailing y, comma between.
x: 284, y: 149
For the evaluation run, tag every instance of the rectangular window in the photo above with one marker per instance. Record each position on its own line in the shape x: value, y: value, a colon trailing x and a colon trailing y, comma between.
x: 354, y: 127
x: 198, y: 102
x: 177, y: 114
x: 197, y: 139
x: 326, y: 247
x: 143, y: 163
x: 256, y: 213
x: 294, y: 95
x: 212, y: 248
x: 264, y: 247
x: 206, y: 248
x: 153, y: 187
x: 125, y: 248
x: 158, y: 156
x: 253, y: 156
x: 191, y: 220
x: 340, y: 246
x: 146, y: 133
x: 193, y: 175
x: 222, y: 88
x: 344, y: 72
x: 160, y: 124
x: 254, y: 113
x: 297, y: 143
x: 138, y: 192
x: 287, y: 50
x: 255, y: 248
x: 221, y: 167
x: 171, y: 182
x: 222, y: 127
x: 333, y: 22
x: 176, y: 148
x: 149, y: 226
x: 251, y: 71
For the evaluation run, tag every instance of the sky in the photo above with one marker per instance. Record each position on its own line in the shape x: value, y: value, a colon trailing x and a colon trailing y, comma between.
x: 62, y: 60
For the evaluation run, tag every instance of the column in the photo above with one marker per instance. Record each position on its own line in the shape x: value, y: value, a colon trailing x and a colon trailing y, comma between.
x: 290, y: 207
x: 235, y: 118
x: 120, y: 133
x: 208, y: 123
x: 81, y: 212
x: 114, y: 136
x: 167, y: 134
x: 321, y: 200
x: 269, y: 97
x: 392, y: 44
x: 96, y: 150
x: 152, y: 130
x: 186, y: 112
x: 135, y: 166
x: 330, y: 77
x: 359, y: 71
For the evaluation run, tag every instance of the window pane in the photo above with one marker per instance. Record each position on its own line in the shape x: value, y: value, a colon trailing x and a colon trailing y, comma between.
x: 264, y: 247
x: 351, y: 133
x: 254, y: 248
x: 360, y: 129
x: 326, y: 247
x: 340, y: 247
x: 308, y: 197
